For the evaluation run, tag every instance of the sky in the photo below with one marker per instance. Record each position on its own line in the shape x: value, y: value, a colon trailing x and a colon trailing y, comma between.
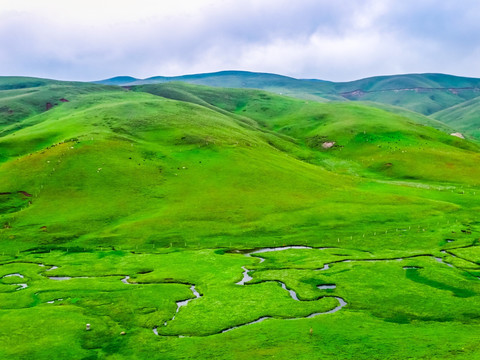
x: 337, y: 40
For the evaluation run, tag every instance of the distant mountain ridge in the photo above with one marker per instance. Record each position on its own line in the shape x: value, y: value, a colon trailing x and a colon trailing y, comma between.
x: 306, y: 89
x: 423, y: 93
x: 433, y: 95
x: 371, y: 84
x: 226, y: 74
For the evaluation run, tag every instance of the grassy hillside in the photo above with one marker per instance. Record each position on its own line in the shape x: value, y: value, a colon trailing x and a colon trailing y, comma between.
x: 114, y: 167
x: 366, y: 140
x: 161, y: 216
x: 312, y: 90
x: 423, y: 101
x: 408, y: 81
x: 413, y: 115
x: 124, y: 168
x: 22, y: 97
x: 465, y: 117
x: 422, y: 93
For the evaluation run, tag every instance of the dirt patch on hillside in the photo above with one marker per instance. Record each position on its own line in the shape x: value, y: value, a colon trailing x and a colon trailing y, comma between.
x: 459, y: 135
x: 328, y: 144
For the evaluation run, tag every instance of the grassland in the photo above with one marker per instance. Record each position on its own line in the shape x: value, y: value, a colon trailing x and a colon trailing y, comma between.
x: 116, y: 203
x: 464, y: 117
x: 422, y: 93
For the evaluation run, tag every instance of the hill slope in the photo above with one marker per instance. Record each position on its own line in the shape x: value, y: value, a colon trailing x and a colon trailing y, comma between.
x: 423, y: 93
x: 464, y: 117
x: 313, y: 90
x: 367, y: 138
x: 123, y: 167
x: 22, y: 97
x: 184, y: 221
x: 119, y: 167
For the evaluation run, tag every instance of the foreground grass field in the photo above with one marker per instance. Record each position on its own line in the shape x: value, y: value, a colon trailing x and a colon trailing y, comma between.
x: 398, y: 304
x: 119, y: 205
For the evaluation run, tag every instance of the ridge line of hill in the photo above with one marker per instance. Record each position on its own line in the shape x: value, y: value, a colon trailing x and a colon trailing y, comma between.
x: 414, y: 88
x: 425, y: 94
x: 434, y: 92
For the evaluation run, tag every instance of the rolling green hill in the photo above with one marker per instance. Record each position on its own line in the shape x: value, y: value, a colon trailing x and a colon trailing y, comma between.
x: 155, y: 151
x: 409, y: 81
x: 187, y: 221
x: 465, y: 117
x: 22, y: 97
x: 313, y: 90
x: 422, y: 93
x: 363, y: 137
x: 413, y: 115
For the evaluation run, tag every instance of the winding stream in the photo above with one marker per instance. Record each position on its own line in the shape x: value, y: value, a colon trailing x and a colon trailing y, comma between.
x: 341, y: 304
x: 20, y: 286
x: 246, y: 279
x: 61, y: 278
x: 53, y: 301
x: 292, y: 293
x: 279, y: 248
x: 440, y: 260
x: 181, y: 304
x: 11, y: 275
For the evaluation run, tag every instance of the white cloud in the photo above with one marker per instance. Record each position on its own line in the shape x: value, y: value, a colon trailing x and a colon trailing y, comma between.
x: 333, y: 40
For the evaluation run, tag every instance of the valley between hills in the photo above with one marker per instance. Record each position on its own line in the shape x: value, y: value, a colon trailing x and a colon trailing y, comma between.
x: 238, y: 215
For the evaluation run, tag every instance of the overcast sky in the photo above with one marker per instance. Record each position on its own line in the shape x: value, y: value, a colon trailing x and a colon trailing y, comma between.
x: 334, y: 40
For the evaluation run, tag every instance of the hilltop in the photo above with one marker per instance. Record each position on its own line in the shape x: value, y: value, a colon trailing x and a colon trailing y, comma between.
x: 182, y: 220
x: 464, y: 117
x: 112, y: 164
x: 23, y: 97
x: 423, y: 93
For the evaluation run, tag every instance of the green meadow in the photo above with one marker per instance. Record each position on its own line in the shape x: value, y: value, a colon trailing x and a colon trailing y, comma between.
x: 183, y: 221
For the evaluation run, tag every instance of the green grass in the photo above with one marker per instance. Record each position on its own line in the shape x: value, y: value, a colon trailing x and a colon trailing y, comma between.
x: 304, y: 89
x: 22, y: 97
x: 386, y: 305
x: 422, y: 93
x: 169, y: 183
x: 424, y: 102
x: 464, y: 117
x: 428, y: 80
x: 365, y: 138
